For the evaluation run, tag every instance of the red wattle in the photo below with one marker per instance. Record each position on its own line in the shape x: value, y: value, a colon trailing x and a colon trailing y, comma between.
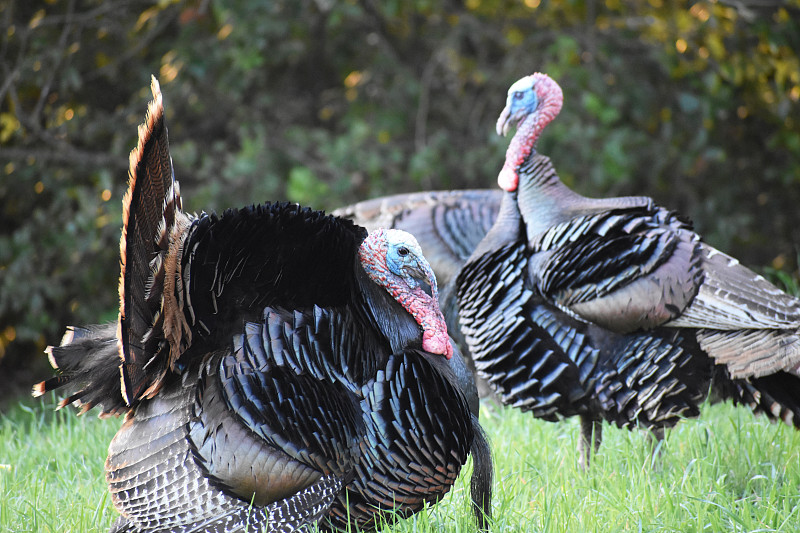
x: 438, y: 343
x: 508, y: 179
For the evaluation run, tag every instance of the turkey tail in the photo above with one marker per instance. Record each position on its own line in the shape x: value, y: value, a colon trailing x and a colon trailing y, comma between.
x: 776, y: 395
x: 88, y: 370
x: 482, y: 476
x: 153, y: 231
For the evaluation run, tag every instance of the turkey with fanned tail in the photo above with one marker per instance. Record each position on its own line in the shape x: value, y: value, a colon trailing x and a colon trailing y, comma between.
x: 278, y: 367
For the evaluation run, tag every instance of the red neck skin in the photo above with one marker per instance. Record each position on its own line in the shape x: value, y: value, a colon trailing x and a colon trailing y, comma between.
x: 529, y: 129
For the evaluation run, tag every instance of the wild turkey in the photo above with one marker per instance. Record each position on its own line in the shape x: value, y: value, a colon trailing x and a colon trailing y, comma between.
x: 278, y: 367
x: 613, y: 309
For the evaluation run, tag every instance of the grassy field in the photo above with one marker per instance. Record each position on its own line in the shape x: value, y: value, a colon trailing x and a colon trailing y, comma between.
x: 726, y: 471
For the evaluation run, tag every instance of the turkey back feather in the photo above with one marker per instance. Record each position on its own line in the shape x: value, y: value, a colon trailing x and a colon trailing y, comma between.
x: 236, y: 264
x: 776, y: 395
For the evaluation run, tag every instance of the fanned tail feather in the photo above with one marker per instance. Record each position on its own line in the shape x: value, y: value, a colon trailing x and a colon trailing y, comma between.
x: 88, y: 370
x: 752, y: 352
x: 777, y: 396
x: 150, y: 249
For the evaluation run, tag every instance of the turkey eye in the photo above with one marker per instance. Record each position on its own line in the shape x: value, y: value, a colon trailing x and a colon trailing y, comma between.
x: 403, y: 251
x: 518, y: 95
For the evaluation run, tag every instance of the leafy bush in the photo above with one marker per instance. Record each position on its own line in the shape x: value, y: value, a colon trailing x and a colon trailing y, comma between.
x: 332, y: 102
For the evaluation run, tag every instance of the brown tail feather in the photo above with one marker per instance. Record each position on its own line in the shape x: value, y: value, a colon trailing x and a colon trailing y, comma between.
x: 88, y: 370
x: 152, y: 235
x: 776, y: 395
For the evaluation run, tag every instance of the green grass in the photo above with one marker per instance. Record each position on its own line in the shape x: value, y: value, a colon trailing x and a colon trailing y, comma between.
x: 727, y: 471
x: 52, y: 475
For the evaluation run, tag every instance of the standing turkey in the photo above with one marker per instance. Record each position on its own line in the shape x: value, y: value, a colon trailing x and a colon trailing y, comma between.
x: 277, y: 367
x: 612, y: 309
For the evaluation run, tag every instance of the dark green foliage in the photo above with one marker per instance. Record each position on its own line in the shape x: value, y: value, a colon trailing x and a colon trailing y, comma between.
x: 332, y: 102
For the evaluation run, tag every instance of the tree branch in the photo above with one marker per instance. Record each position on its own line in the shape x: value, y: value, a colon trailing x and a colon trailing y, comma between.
x: 54, y: 70
x: 69, y: 155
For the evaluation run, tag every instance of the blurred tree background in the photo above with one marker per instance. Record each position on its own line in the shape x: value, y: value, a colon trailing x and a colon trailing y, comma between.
x: 329, y: 102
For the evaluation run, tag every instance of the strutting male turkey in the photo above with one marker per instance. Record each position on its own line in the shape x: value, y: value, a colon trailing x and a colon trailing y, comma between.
x: 609, y: 309
x: 277, y: 367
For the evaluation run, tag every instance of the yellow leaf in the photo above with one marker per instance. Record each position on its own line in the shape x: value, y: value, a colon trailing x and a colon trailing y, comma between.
x: 515, y: 36
x: 101, y: 59
x: 715, y: 46
x: 36, y: 19
x: 8, y: 126
x: 145, y: 17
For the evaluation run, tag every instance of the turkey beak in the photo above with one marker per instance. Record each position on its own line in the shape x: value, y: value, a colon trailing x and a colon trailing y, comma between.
x: 425, y: 279
x: 426, y: 287
x: 507, y: 119
x: 503, y: 122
